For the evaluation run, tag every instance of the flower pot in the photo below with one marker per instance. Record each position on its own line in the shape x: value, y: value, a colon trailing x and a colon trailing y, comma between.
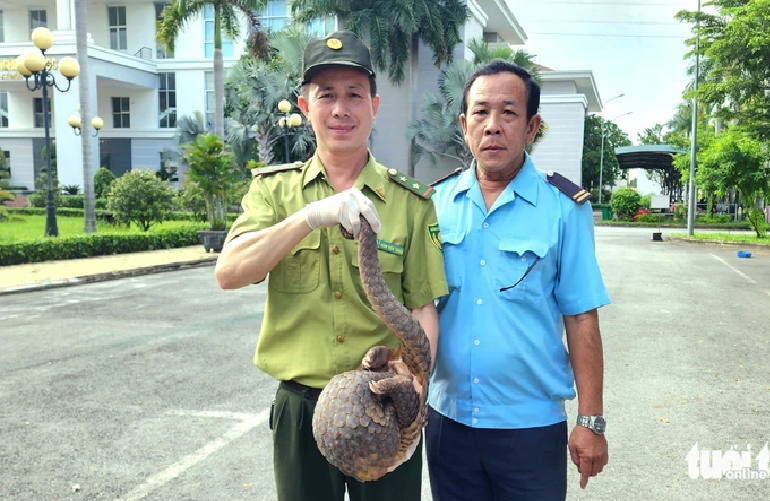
x: 212, y: 240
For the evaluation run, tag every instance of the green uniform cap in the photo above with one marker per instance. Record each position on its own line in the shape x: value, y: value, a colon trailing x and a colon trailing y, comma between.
x: 341, y: 48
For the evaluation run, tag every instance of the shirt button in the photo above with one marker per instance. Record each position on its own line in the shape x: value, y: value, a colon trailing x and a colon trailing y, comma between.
x: 475, y: 420
x: 477, y: 342
x: 475, y: 409
x: 338, y: 295
x: 478, y: 301
x: 336, y: 250
x: 486, y: 225
x: 483, y: 262
x: 476, y: 381
x: 340, y: 339
x: 523, y: 258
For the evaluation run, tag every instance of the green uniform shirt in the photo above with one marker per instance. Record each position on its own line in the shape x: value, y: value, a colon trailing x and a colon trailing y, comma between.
x: 318, y: 321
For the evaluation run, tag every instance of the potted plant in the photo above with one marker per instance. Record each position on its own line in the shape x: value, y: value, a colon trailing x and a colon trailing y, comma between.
x: 211, y: 168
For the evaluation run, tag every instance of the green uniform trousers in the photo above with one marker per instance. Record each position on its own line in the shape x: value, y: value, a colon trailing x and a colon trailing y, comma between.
x: 303, y: 474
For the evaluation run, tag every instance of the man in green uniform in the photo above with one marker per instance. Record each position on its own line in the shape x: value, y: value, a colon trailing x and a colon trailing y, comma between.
x: 318, y: 321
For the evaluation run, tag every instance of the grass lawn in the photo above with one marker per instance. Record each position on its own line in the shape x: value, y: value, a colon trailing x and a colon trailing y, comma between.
x: 30, y: 228
x: 738, y: 238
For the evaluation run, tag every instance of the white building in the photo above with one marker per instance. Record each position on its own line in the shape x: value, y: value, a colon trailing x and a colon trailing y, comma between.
x: 139, y: 90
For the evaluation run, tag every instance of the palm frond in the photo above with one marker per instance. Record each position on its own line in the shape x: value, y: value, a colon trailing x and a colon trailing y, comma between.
x: 174, y: 17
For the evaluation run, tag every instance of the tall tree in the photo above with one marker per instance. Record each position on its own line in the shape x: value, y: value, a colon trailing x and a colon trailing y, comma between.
x: 81, y: 42
x: 737, y: 40
x: 592, y: 148
x: 228, y: 17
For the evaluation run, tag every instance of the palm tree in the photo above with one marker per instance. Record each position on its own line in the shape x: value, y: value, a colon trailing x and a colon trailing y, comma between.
x: 81, y: 43
x: 227, y: 16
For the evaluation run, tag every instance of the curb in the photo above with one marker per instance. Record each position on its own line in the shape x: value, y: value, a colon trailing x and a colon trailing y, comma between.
x: 719, y: 242
x: 110, y: 275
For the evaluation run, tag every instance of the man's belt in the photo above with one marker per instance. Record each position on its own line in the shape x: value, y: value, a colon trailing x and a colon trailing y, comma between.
x: 296, y: 387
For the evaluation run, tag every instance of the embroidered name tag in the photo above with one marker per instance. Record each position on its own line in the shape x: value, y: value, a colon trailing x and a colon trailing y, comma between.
x: 390, y: 248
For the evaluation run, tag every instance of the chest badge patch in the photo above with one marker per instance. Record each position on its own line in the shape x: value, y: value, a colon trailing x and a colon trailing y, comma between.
x: 435, y: 235
x: 390, y: 248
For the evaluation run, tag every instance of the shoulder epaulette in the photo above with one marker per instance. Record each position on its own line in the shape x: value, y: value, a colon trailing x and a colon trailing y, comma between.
x: 575, y: 192
x: 451, y: 174
x: 420, y: 189
x: 272, y: 169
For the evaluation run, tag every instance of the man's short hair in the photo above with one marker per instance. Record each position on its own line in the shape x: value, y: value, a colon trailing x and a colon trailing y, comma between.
x: 501, y: 66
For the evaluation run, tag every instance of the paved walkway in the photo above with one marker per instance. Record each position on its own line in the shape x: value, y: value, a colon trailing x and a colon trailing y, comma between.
x: 35, y: 276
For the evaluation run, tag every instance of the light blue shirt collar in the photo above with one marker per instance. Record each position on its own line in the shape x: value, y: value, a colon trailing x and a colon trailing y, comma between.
x: 524, y: 184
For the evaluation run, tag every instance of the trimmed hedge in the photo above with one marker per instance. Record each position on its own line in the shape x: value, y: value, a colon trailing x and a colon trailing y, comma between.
x: 97, y: 244
x: 100, y: 214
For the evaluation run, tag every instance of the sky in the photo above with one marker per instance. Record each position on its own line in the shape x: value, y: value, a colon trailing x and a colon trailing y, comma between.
x: 633, y: 47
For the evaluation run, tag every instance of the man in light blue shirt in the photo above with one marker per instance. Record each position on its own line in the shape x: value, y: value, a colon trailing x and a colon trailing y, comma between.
x: 520, y: 263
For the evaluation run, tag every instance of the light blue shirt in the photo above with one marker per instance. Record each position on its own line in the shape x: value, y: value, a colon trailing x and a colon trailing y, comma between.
x: 501, y: 361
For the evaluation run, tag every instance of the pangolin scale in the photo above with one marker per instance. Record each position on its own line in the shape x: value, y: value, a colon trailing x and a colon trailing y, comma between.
x: 369, y: 421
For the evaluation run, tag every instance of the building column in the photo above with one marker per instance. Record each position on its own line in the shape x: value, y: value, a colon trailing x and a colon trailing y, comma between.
x: 64, y: 15
x: 69, y: 159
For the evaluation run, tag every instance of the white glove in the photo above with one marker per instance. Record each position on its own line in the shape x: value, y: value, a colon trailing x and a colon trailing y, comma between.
x: 343, y: 208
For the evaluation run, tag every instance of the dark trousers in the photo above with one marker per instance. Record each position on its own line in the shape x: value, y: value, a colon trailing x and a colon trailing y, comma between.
x: 303, y: 474
x: 472, y: 464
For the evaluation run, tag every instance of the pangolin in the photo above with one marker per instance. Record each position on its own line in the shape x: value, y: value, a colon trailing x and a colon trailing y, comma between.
x: 369, y: 421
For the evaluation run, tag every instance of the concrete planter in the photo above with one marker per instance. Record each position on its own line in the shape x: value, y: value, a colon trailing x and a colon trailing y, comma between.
x: 212, y: 240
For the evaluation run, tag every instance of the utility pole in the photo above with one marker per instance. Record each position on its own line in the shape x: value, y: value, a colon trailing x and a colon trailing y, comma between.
x: 694, y: 136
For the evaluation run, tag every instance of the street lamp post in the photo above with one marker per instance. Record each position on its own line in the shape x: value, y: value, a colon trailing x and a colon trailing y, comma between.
x: 293, y: 120
x: 74, y: 122
x: 35, y: 65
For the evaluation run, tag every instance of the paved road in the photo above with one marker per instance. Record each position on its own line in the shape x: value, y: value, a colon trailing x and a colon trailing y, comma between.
x: 144, y: 388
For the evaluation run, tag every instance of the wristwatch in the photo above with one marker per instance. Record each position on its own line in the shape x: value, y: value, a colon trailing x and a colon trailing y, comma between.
x: 595, y: 423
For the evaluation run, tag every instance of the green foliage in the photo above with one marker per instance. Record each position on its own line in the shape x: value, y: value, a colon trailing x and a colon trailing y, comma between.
x: 140, y: 197
x: 625, y: 202
x: 592, y: 152
x: 5, y: 194
x: 191, y: 199
x: 71, y: 189
x: 211, y: 167
x: 94, y: 244
x: 646, y: 200
x: 102, y: 180
x: 756, y: 217
x: 735, y: 40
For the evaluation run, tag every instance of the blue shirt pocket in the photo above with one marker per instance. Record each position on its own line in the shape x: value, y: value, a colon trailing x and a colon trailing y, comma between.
x: 519, y: 276
x: 454, y: 246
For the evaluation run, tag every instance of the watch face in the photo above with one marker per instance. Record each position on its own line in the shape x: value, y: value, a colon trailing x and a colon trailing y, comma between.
x: 599, y: 424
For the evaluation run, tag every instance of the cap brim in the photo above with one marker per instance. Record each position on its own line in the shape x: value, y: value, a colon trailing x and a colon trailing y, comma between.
x: 315, y: 69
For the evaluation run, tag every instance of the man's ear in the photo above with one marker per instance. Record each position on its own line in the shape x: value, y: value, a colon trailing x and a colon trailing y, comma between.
x: 375, y: 105
x: 303, y: 105
x: 533, y: 126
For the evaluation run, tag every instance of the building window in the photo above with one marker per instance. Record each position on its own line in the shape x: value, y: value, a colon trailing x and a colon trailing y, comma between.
x: 2, y: 30
x: 121, y: 116
x: 167, y: 101
x: 39, y: 121
x: 117, y: 20
x: 37, y: 18
x: 3, y: 110
x: 160, y: 49
x: 209, y: 100
x: 208, y: 21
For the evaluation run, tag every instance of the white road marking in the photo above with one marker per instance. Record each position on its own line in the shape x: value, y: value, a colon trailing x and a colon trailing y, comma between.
x: 739, y: 272
x: 250, y: 422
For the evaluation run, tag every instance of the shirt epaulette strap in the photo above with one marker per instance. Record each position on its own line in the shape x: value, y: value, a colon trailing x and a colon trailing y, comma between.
x: 451, y: 174
x: 420, y: 189
x: 272, y: 169
x: 575, y: 192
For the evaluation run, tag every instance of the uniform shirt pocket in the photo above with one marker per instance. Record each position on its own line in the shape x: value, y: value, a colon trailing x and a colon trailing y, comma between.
x: 300, y: 271
x: 452, y: 244
x: 519, y: 276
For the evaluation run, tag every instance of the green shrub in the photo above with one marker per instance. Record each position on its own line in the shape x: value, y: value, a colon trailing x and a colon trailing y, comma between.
x: 625, y: 202
x: 190, y: 199
x: 140, y: 197
x: 95, y: 244
x: 102, y: 180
